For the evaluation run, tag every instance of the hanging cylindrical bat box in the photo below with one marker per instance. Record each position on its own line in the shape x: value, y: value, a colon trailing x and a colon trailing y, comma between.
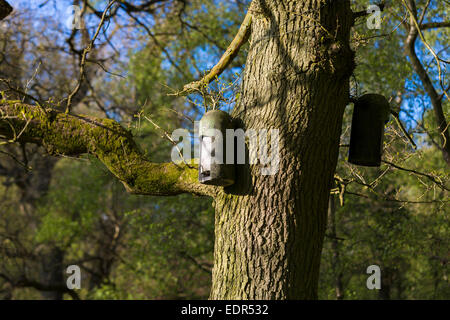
x: 370, y: 114
x: 213, y: 169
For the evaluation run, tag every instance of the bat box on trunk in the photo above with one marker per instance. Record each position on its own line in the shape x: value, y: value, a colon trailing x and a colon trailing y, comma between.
x: 213, y: 169
x: 370, y: 114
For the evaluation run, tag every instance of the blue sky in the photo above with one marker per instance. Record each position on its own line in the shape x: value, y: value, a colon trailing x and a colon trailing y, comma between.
x: 60, y: 12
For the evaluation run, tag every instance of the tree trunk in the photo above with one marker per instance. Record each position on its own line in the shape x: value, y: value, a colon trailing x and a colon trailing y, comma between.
x: 52, y: 274
x: 33, y: 186
x: 436, y: 99
x: 269, y: 229
x: 386, y: 284
x: 335, y: 259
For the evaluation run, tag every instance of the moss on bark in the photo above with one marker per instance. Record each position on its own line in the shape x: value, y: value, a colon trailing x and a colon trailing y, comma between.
x: 72, y: 135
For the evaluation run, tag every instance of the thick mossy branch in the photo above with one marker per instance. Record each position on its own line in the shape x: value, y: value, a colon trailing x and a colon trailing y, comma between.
x: 72, y: 135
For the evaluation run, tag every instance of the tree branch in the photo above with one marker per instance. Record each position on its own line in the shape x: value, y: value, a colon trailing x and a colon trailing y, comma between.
x: 233, y: 49
x: 428, y: 176
x: 73, y: 135
x: 24, y: 282
x: 431, y: 25
x: 402, y: 127
x: 84, y: 57
x: 435, y: 98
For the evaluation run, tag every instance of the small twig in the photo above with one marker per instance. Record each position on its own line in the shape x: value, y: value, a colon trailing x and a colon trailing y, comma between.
x: 16, y: 135
x: 424, y: 11
x: 84, y: 57
x: 395, y: 200
x: 342, y: 186
x: 40, y: 104
x: 28, y: 168
x: 431, y: 178
x: 438, y: 59
x: 158, y: 44
x: 168, y: 137
x: 182, y: 115
x: 32, y: 78
x: 399, y: 123
x: 239, y: 40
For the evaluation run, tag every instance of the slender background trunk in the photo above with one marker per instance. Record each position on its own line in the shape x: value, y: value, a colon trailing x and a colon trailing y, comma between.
x: 270, y: 229
x: 335, y: 259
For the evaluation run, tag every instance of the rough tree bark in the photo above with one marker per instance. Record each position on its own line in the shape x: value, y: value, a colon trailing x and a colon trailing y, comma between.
x: 335, y: 250
x: 269, y: 229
